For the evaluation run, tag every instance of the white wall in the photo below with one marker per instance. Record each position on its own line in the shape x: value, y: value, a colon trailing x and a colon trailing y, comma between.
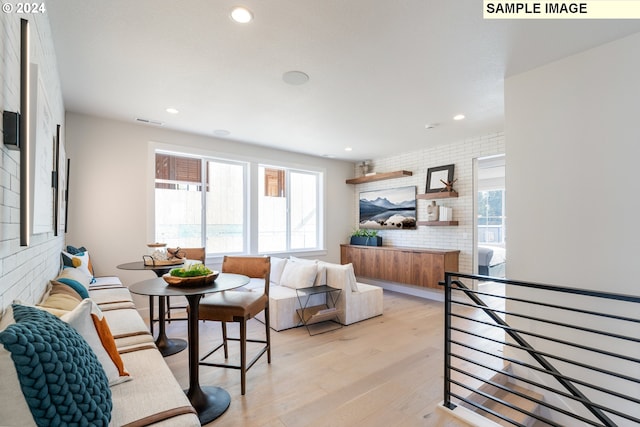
x: 462, y: 155
x: 24, y: 271
x: 572, y: 183
x: 109, y: 188
x: 571, y: 171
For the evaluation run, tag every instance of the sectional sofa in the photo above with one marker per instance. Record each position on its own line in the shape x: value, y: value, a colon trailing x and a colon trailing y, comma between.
x: 49, y: 377
x: 357, y: 301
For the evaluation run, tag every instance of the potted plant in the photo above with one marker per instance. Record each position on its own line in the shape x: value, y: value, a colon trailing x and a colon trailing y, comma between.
x: 361, y: 236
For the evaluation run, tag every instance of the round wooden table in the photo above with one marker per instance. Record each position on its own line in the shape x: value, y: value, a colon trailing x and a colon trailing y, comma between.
x: 166, y: 345
x: 209, y: 401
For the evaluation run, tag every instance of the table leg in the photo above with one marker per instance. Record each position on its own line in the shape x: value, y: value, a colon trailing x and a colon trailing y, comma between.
x: 166, y: 346
x: 151, y: 304
x: 209, y: 401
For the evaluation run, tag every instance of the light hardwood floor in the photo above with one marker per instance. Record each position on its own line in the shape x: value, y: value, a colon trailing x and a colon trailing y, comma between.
x: 385, y: 371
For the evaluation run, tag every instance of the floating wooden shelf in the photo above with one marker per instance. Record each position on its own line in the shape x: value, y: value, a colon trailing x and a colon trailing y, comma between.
x: 379, y: 177
x: 438, y: 195
x: 438, y: 223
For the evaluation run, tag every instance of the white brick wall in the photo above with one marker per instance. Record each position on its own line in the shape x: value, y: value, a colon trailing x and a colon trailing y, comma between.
x: 461, y: 154
x: 24, y: 271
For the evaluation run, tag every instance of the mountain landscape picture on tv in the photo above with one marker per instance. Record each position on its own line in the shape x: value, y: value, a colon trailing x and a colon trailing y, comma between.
x: 393, y: 209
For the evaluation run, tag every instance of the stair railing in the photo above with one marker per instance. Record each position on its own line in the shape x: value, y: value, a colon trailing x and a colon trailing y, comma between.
x: 520, y: 311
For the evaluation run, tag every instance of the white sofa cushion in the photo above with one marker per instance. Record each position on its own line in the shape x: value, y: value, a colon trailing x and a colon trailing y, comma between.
x: 321, y: 276
x: 342, y: 272
x: 298, y: 275
x: 153, y: 392
x: 277, y: 267
x: 106, y: 281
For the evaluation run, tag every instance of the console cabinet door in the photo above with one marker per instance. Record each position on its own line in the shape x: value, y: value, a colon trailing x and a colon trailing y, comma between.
x: 366, y: 263
x: 397, y: 266
x: 427, y: 269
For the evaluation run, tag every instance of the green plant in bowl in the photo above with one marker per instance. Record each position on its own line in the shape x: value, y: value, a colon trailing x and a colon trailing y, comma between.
x: 193, y: 270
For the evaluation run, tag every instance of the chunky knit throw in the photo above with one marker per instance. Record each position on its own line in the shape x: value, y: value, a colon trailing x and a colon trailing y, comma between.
x: 61, y: 378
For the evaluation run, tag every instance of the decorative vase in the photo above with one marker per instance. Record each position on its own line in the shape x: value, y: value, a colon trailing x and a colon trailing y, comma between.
x: 432, y: 211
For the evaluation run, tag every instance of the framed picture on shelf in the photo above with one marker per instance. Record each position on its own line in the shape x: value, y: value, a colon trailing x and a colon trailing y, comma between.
x: 438, y: 177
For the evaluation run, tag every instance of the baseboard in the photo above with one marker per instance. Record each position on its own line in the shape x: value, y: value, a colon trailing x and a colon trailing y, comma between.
x: 416, y: 291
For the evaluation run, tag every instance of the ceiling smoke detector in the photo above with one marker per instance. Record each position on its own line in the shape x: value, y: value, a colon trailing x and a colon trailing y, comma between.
x: 295, y: 77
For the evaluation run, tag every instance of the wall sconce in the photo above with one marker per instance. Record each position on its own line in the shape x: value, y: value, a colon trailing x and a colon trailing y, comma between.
x: 11, y: 129
x: 24, y: 137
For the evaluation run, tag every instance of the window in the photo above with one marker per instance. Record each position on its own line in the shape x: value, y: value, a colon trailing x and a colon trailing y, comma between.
x: 288, y: 209
x: 187, y: 216
x: 491, y: 218
x: 207, y: 201
x: 225, y: 208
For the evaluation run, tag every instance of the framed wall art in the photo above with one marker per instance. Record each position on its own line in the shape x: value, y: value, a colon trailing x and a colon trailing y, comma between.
x: 438, y: 177
x: 391, y: 209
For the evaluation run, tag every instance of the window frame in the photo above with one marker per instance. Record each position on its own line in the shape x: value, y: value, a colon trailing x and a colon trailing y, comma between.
x: 250, y: 225
x: 320, y: 176
x: 204, y: 158
x: 502, y: 218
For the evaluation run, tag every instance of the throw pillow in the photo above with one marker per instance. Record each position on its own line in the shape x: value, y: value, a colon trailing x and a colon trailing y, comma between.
x: 76, y: 274
x: 61, y: 379
x: 60, y: 302
x: 351, y: 275
x: 321, y: 277
x: 298, y: 275
x: 76, y: 280
x: 55, y: 311
x: 14, y: 410
x: 277, y: 267
x: 56, y: 288
x: 73, y: 250
x: 88, y: 320
x: 76, y: 286
x: 81, y: 261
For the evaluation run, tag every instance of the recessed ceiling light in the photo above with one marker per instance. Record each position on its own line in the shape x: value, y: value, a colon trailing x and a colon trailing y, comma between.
x: 221, y: 132
x: 458, y: 117
x: 348, y: 149
x: 241, y: 15
x: 295, y: 77
x: 172, y: 111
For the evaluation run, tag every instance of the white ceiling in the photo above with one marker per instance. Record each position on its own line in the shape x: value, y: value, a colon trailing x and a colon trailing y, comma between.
x: 379, y: 70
